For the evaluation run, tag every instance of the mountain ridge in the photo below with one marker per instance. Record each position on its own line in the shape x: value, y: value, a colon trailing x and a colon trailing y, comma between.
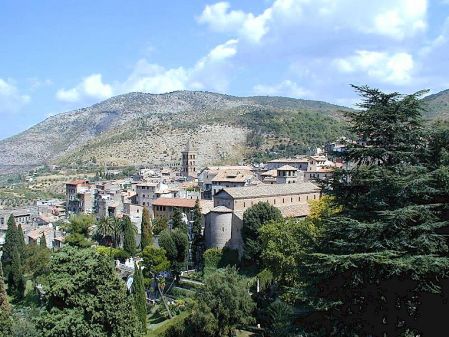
x: 142, y: 128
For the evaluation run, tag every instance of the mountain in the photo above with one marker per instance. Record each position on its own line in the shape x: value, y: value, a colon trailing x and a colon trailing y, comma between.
x: 437, y: 105
x: 142, y: 128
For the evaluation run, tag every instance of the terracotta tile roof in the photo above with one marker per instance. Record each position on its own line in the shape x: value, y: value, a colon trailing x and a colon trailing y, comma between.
x: 268, y: 190
x: 174, y: 202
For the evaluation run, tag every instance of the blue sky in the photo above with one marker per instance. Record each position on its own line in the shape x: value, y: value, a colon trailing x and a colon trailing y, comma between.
x: 57, y: 55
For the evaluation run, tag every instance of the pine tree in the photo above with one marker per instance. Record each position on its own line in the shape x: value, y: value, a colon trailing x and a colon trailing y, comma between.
x: 139, y: 295
x: 43, y: 241
x: 16, y: 281
x: 5, y: 309
x: 381, y: 265
x: 145, y: 229
x: 11, y: 241
x: 129, y: 236
x: 197, y: 219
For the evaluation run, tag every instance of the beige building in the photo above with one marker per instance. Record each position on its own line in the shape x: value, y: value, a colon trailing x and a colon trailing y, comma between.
x: 164, y: 207
x: 224, y: 222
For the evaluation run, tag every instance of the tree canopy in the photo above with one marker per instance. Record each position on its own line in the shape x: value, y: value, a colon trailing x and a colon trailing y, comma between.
x: 253, y: 218
x: 85, y: 297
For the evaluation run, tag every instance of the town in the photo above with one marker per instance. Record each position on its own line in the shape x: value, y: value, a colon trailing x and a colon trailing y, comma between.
x: 223, y: 193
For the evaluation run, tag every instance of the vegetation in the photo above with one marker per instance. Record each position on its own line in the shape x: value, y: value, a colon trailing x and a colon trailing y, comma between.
x: 79, y: 230
x: 5, y: 309
x: 85, y: 297
x: 253, y: 218
x: 140, y: 298
x: 129, y: 236
x: 197, y: 236
x: 145, y: 229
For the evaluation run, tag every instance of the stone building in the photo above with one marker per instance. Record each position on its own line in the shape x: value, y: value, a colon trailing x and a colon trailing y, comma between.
x: 223, y: 223
x: 188, y: 162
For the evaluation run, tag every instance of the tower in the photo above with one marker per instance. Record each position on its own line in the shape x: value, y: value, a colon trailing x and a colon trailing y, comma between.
x: 188, y: 162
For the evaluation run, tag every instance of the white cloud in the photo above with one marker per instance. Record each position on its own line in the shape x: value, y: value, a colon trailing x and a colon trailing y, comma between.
x: 396, y: 19
x: 210, y: 72
x: 91, y: 87
x: 11, y: 100
x: 395, y: 68
x: 284, y: 88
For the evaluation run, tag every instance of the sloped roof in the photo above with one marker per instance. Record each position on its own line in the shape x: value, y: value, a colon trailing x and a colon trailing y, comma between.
x: 268, y: 190
x: 287, y: 168
x: 221, y: 209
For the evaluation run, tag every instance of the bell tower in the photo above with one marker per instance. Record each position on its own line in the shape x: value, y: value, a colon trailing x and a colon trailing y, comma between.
x: 188, y: 161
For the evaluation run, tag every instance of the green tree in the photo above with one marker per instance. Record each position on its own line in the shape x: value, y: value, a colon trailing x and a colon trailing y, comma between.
x: 253, y: 218
x: 140, y: 298
x: 222, y: 304
x: 85, y: 297
x: 280, y: 319
x: 104, y: 230
x: 154, y: 261
x: 177, y: 219
x: 16, y: 280
x: 36, y: 261
x: 381, y: 265
x: 176, y: 245
x: 129, y: 236
x: 159, y: 224
x: 43, y: 241
x: 20, y: 240
x: 198, y: 243
x: 79, y: 230
x: 5, y: 309
x: 145, y: 229
x: 11, y: 243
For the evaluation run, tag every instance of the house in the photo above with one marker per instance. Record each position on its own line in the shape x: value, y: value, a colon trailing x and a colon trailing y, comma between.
x: 164, y: 207
x: 215, y: 178
x: 80, y: 197
x: 223, y: 223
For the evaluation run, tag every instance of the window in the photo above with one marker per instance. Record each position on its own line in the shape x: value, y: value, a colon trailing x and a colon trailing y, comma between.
x: 222, y: 228
x: 299, y: 198
x: 274, y: 201
x: 291, y: 199
x: 244, y: 204
x: 283, y: 201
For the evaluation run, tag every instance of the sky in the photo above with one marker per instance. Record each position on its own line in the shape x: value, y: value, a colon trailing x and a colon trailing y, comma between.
x: 57, y: 56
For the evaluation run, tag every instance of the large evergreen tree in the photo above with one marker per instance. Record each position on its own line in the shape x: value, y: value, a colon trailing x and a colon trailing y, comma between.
x: 16, y: 280
x: 177, y: 219
x: 86, y: 298
x: 43, y: 241
x: 5, y: 309
x: 129, y: 236
x: 381, y: 265
x: 11, y: 242
x: 145, y: 229
x: 197, y: 236
x: 140, y: 298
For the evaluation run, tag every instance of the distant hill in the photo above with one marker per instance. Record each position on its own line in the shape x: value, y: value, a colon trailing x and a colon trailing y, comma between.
x: 437, y: 105
x: 142, y: 128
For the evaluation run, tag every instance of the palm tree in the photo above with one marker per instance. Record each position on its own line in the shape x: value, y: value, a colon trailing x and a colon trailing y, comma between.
x: 104, y: 228
x: 116, y: 231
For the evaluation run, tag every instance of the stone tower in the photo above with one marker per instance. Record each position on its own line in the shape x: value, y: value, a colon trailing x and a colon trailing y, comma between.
x: 188, y: 162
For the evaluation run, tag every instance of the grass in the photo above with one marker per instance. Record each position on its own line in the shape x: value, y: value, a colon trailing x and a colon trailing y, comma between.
x: 162, y: 328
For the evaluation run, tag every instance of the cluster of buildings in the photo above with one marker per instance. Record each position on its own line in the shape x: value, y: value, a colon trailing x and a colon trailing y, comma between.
x: 223, y: 192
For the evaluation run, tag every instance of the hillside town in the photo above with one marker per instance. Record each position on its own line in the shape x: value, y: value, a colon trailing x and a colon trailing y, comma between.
x: 223, y: 193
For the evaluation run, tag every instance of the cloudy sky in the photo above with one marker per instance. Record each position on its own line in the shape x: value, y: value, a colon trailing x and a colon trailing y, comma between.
x: 61, y: 55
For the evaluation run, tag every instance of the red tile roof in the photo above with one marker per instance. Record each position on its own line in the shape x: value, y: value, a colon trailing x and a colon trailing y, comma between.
x: 175, y: 202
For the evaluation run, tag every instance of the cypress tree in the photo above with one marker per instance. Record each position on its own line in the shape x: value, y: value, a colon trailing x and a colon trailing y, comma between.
x: 11, y: 241
x: 5, y: 309
x: 21, y: 240
x: 198, y: 239
x: 129, y: 239
x: 145, y: 229
x: 16, y: 281
x: 43, y: 241
x: 140, y: 302
x: 177, y: 219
